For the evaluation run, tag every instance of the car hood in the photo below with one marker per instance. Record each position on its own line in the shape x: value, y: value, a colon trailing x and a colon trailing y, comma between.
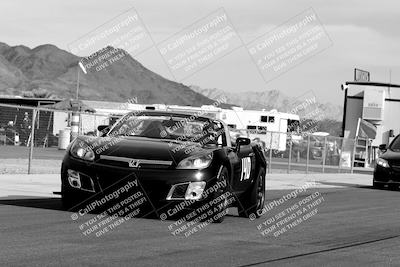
x: 145, y: 148
x: 391, y: 155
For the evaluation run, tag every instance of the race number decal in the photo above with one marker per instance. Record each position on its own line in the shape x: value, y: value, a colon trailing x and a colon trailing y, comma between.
x: 246, y: 168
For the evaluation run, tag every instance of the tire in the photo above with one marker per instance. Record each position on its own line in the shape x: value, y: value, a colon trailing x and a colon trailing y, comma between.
x: 254, y: 200
x: 70, y: 201
x: 377, y: 185
x: 393, y: 187
x: 222, y: 206
x: 66, y: 201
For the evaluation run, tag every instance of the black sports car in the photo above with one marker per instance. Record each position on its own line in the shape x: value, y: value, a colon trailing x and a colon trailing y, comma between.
x: 167, y: 164
x: 387, y: 168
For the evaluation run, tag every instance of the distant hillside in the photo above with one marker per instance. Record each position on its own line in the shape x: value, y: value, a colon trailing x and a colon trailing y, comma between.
x: 268, y: 100
x: 52, y: 72
x: 23, y: 70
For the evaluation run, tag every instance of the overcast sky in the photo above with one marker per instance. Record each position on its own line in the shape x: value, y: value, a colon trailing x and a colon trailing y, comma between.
x: 364, y: 34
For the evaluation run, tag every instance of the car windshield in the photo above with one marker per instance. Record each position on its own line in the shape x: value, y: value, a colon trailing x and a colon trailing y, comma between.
x: 170, y: 127
x: 395, y: 145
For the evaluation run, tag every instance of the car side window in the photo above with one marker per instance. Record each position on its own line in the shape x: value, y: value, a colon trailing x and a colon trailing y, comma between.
x: 395, y: 145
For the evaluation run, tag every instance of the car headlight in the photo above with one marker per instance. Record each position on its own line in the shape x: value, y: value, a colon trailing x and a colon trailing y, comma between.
x: 382, y: 162
x: 82, y: 150
x: 196, y: 162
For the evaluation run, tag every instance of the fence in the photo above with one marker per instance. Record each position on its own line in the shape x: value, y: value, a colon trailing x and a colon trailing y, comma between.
x: 309, y: 153
x: 29, y: 138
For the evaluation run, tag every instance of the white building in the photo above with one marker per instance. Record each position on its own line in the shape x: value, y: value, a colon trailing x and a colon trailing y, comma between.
x: 377, y: 103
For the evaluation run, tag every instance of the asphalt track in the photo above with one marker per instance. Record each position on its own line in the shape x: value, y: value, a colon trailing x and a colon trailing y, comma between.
x: 354, y: 226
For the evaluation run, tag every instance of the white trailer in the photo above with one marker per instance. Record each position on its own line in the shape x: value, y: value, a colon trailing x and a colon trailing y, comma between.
x: 270, y: 127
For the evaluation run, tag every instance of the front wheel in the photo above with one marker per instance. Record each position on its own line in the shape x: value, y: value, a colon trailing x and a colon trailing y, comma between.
x: 377, y: 185
x: 70, y: 201
x: 222, y: 196
x: 67, y: 201
x: 252, y: 203
x: 393, y: 187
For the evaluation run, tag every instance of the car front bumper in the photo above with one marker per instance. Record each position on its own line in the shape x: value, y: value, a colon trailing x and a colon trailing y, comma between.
x: 97, y: 180
x: 386, y: 175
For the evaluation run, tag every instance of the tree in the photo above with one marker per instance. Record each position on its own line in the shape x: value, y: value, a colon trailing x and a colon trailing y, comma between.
x: 39, y: 93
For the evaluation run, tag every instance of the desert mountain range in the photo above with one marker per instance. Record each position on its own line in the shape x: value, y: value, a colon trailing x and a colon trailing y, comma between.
x: 271, y: 99
x: 48, y: 68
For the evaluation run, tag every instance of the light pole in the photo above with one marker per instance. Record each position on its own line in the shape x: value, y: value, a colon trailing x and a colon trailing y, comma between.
x: 77, y: 86
x: 75, y: 109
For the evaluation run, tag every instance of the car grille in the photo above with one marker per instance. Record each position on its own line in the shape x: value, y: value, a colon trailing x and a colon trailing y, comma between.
x: 396, y: 167
x: 134, y: 163
x: 111, y: 179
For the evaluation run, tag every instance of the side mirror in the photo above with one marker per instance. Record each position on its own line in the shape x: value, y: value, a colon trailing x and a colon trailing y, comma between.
x: 102, y: 129
x: 382, y: 147
x: 242, y: 141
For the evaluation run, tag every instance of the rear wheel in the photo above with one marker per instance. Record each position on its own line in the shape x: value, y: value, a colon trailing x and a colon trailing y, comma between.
x: 252, y: 203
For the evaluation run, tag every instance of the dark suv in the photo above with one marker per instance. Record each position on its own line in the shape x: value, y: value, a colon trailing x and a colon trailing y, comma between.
x: 387, y: 168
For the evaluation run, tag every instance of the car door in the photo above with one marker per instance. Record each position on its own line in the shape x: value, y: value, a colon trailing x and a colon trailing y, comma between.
x: 243, y: 160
